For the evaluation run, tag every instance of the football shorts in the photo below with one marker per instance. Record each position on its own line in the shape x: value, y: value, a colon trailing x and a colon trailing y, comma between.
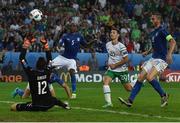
x: 61, y: 61
x: 122, y: 76
x: 159, y: 64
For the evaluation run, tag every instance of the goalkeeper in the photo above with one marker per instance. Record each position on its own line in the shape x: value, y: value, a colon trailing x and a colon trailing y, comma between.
x: 38, y: 82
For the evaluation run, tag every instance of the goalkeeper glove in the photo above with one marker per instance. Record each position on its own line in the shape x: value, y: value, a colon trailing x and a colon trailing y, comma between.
x: 44, y: 42
x: 26, y: 43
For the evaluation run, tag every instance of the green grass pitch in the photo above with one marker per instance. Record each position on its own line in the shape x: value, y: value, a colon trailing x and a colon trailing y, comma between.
x: 88, y: 105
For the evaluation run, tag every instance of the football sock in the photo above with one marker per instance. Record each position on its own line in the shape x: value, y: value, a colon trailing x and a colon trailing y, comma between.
x: 155, y: 84
x: 135, y: 90
x: 107, y: 93
x: 20, y: 92
x: 73, y: 81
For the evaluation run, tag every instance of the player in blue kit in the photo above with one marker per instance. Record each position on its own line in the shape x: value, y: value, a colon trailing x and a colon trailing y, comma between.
x: 72, y: 42
x: 29, y: 39
x: 161, y: 57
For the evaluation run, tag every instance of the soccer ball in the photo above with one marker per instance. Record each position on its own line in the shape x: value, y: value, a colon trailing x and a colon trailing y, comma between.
x: 35, y: 14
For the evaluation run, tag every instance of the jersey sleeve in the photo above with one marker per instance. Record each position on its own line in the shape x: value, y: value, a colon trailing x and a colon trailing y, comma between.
x: 48, y: 56
x: 166, y: 34
x: 123, y: 51
x: 23, y: 61
x: 26, y: 68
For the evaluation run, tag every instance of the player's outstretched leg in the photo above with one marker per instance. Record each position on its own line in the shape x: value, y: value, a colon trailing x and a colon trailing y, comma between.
x: 56, y: 78
x: 164, y: 96
x: 107, y: 90
x: 134, y: 92
x: 17, y: 91
x: 164, y: 100
x: 73, y: 82
x: 65, y: 105
x: 107, y: 96
x: 156, y: 85
x: 126, y: 102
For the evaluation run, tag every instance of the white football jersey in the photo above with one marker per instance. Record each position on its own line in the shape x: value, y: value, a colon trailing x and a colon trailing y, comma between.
x: 116, y: 54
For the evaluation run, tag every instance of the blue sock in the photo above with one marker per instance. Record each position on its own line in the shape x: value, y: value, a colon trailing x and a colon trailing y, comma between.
x: 20, y: 92
x: 135, y: 90
x: 55, y: 78
x: 73, y: 81
x: 157, y: 87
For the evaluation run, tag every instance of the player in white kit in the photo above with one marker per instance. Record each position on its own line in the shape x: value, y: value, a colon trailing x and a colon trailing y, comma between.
x: 117, y: 66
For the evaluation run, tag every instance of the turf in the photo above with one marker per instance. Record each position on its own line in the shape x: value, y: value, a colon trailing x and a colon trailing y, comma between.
x: 88, y: 105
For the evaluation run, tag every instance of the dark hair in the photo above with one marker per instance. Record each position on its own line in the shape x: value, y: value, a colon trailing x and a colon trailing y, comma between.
x: 115, y: 28
x: 41, y: 63
x: 158, y: 15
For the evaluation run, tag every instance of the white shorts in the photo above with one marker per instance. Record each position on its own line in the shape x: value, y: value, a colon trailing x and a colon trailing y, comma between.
x: 159, y: 64
x: 61, y: 61
x: 50, y: 87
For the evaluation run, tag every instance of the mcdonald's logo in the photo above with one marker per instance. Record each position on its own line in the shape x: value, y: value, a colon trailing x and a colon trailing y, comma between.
x: 65, y: 76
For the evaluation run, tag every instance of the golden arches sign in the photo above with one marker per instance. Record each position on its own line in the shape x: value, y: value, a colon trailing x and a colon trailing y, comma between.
x: 65, y: 76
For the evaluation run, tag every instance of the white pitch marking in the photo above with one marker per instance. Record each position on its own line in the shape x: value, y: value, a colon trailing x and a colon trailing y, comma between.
x: 10, y: 102
x: 127, y: 113
x: 111, y: 111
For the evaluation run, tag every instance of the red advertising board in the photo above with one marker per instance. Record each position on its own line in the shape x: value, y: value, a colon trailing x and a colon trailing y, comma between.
x: 171, y: 76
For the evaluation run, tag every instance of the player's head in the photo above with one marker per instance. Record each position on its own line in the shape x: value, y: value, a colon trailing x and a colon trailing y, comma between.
x: 114, y: 34
x: 73, y: 27
x: 156, y: 19
x: 41, y: 63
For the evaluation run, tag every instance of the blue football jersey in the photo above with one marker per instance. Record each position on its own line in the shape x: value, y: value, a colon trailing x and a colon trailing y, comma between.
x: 159, y: 38
x: 72, y: 42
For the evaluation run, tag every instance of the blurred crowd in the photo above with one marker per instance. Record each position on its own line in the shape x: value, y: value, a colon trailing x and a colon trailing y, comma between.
x: 94, y: 19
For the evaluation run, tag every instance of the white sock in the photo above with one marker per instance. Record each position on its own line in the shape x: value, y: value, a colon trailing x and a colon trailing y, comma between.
x: 107, y: 93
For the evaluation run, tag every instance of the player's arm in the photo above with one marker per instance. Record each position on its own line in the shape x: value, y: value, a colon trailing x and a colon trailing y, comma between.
x: 26, y: 44
x: 46, y: 48
x: 172, y: 44
x: 48, y: 55
x: 88, y: 45
x: 61, y: 42
x: 23, y: 60
x: 123, y: 61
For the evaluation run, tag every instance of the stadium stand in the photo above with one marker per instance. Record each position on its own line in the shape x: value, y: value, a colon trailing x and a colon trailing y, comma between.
x: 94, y: 18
